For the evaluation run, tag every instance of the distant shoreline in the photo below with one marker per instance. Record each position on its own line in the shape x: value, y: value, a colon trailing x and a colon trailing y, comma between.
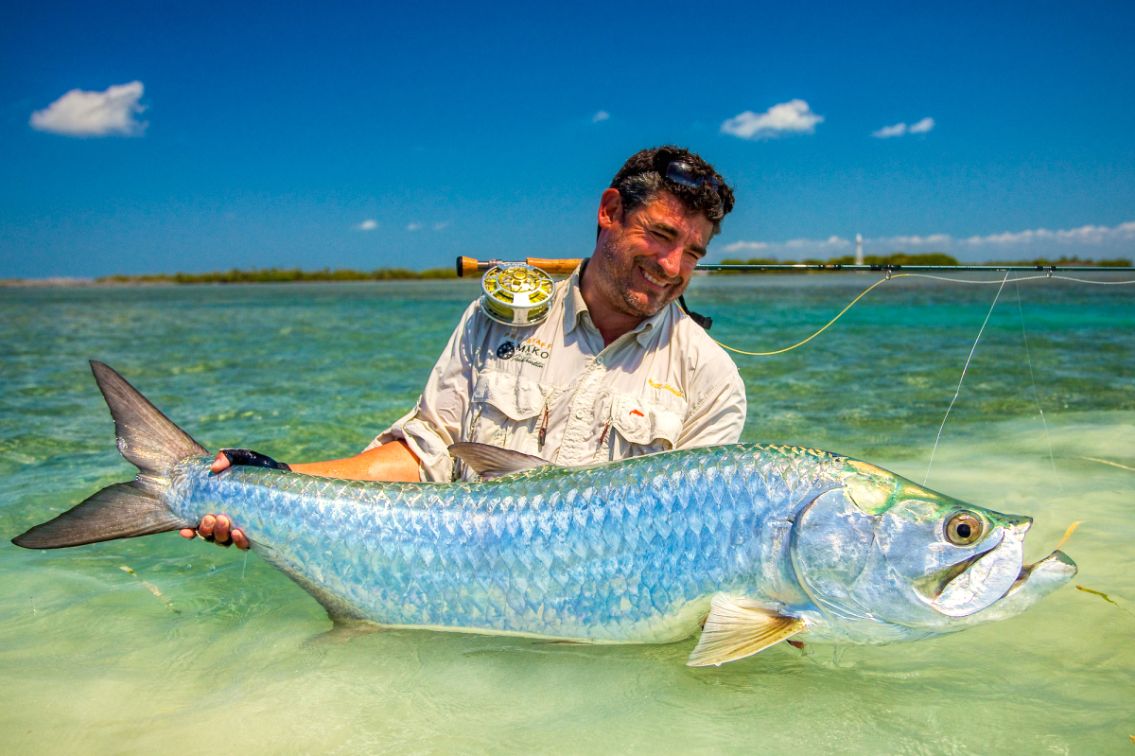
x: 237, y: 276
x: 296, y: 275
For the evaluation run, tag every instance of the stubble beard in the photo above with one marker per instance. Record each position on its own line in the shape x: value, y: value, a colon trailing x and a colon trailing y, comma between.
x: 621, y: 292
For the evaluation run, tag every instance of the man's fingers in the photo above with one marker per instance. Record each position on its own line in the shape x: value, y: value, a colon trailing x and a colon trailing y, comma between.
x: 221, y: 530
x: 220, y: 463
x: 240, y: 540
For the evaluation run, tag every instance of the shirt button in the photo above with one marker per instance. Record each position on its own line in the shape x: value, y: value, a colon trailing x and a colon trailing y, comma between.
x: 580, y: 415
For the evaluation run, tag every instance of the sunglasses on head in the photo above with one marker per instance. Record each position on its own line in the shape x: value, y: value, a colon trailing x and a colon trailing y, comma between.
x: 681, y: 172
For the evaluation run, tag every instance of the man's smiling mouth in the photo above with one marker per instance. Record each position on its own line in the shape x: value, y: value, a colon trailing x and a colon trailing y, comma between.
x: 659, y: 282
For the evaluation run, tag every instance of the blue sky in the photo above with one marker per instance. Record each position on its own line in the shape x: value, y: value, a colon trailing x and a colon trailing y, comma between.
x: 155, y: 137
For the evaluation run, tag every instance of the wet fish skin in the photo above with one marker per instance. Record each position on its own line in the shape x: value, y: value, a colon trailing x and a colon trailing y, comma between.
x: 759, y: 542
x: 630, y: 552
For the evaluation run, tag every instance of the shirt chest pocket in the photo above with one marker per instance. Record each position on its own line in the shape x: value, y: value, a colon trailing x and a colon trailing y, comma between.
x: 642, y: 426
x: 505, y: 411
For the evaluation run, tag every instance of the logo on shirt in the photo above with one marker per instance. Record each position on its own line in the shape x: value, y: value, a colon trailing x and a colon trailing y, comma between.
x: 532, y: 351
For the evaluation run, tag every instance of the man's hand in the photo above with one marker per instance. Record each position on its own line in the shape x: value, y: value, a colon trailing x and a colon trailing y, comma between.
x: 219, y: 528
x: 392, y: 462
x: 227, y: 457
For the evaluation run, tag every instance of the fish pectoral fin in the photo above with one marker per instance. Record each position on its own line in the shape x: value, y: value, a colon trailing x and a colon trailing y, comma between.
x: 490, y: 461
x: 738, y: 627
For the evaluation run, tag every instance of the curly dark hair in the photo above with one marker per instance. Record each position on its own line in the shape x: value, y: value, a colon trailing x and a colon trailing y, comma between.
x: 700, y: 188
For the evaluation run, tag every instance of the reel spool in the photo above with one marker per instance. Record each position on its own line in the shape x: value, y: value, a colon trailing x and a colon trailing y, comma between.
x: 516, y: 294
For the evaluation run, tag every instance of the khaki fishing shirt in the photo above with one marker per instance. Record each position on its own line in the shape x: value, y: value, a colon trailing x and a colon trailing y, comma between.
x: 555, y: 391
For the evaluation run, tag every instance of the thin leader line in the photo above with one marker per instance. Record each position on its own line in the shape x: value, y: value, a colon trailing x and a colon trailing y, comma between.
x: 961, y: 380
x: 1032, y: 379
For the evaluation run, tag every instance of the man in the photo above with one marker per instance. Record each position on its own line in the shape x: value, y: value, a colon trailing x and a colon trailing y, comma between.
x: 616, y: 370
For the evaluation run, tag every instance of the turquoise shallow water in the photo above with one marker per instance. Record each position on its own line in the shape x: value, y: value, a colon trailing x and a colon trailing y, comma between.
x: 159, y: 644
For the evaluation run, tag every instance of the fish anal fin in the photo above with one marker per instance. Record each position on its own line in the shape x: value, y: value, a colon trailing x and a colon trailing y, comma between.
x: 338, y: 610
x: 490, y: 461
x: 738, y: 627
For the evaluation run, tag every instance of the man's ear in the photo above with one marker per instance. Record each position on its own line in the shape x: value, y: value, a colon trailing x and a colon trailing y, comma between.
x: 610, y: 208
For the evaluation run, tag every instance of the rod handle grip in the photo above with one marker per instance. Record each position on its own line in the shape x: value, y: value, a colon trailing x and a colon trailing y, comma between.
x: 467, y: 266
x: 554, y: 266
x: 471, y: 266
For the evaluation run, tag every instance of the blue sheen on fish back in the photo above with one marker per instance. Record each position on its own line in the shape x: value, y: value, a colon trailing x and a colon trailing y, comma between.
x: 630, y: 552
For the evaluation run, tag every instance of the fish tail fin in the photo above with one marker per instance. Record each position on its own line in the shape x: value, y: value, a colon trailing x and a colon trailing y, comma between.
x: 146, y: 437
x: 123, y: 510
x: 154, y: 444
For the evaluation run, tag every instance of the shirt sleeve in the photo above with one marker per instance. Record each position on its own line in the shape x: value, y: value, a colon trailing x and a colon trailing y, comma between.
x: 435, y: 422
x: 718, y: 415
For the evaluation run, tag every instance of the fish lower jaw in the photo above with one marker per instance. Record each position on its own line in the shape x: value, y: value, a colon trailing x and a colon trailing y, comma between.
x: 1057, y: 567
x: 1034, y: 582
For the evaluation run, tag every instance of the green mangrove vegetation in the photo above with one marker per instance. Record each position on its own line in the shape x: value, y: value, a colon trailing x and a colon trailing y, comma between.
x: 928, y: 258
x: 298, y: 275
x: 282, y: 275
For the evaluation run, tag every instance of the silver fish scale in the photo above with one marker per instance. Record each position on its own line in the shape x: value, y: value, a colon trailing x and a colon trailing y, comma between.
x: 624, y: 552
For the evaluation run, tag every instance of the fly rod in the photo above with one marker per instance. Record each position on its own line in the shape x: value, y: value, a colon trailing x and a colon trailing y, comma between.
x: 564, y: 266
x: 519, y: 292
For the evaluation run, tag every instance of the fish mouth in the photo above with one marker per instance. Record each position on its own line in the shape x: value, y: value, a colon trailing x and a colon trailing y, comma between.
x: 934, y: 585
x: 1034, y: 582
x: 987, y: 590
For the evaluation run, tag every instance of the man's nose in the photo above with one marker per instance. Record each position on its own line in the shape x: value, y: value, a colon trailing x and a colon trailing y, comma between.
x: 671, y: 261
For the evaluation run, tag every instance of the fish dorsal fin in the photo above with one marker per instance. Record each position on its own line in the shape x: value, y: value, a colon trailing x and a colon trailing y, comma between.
x: 738, y: 627
x: 490, y: 461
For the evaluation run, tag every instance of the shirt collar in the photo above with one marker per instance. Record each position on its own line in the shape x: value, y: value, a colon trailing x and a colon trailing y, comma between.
x: 574, y: 306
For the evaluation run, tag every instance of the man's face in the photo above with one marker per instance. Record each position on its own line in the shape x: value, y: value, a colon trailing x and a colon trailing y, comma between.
x: 645, y: 257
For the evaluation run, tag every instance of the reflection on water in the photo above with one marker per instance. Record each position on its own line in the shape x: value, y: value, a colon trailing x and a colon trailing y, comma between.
x: 94, y: 661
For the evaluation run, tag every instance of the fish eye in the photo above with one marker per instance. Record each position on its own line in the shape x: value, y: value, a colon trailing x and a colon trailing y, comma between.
x: 963, y: 528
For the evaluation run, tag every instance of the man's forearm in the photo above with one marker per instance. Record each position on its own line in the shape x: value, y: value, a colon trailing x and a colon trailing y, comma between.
x: 391, y: 462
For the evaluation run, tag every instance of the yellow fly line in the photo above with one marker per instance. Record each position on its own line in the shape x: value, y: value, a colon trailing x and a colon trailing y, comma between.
x: 823, y: 328
x: 891, y: 275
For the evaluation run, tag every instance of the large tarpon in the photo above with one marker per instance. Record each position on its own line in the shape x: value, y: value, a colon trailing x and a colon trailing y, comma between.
x: 756, y: 543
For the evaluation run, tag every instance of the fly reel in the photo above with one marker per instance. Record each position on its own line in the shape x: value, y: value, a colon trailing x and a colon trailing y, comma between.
x: 516, y: 294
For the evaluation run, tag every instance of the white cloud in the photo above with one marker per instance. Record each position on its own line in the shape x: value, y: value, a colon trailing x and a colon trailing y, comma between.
x: 1086, y: 241
x: 1088, y: 235
x: 792, y: 248
x: 441, y: 225
x: 602, y: 115
x: 902, y: 129
x: 80, y: 113
x: 899, y: 129
x: 370, y: 224
x: 930, y: 240
x: 922, y: 127
x: 792, y: 117
x: 746, y: 246
x: 415, y: 226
